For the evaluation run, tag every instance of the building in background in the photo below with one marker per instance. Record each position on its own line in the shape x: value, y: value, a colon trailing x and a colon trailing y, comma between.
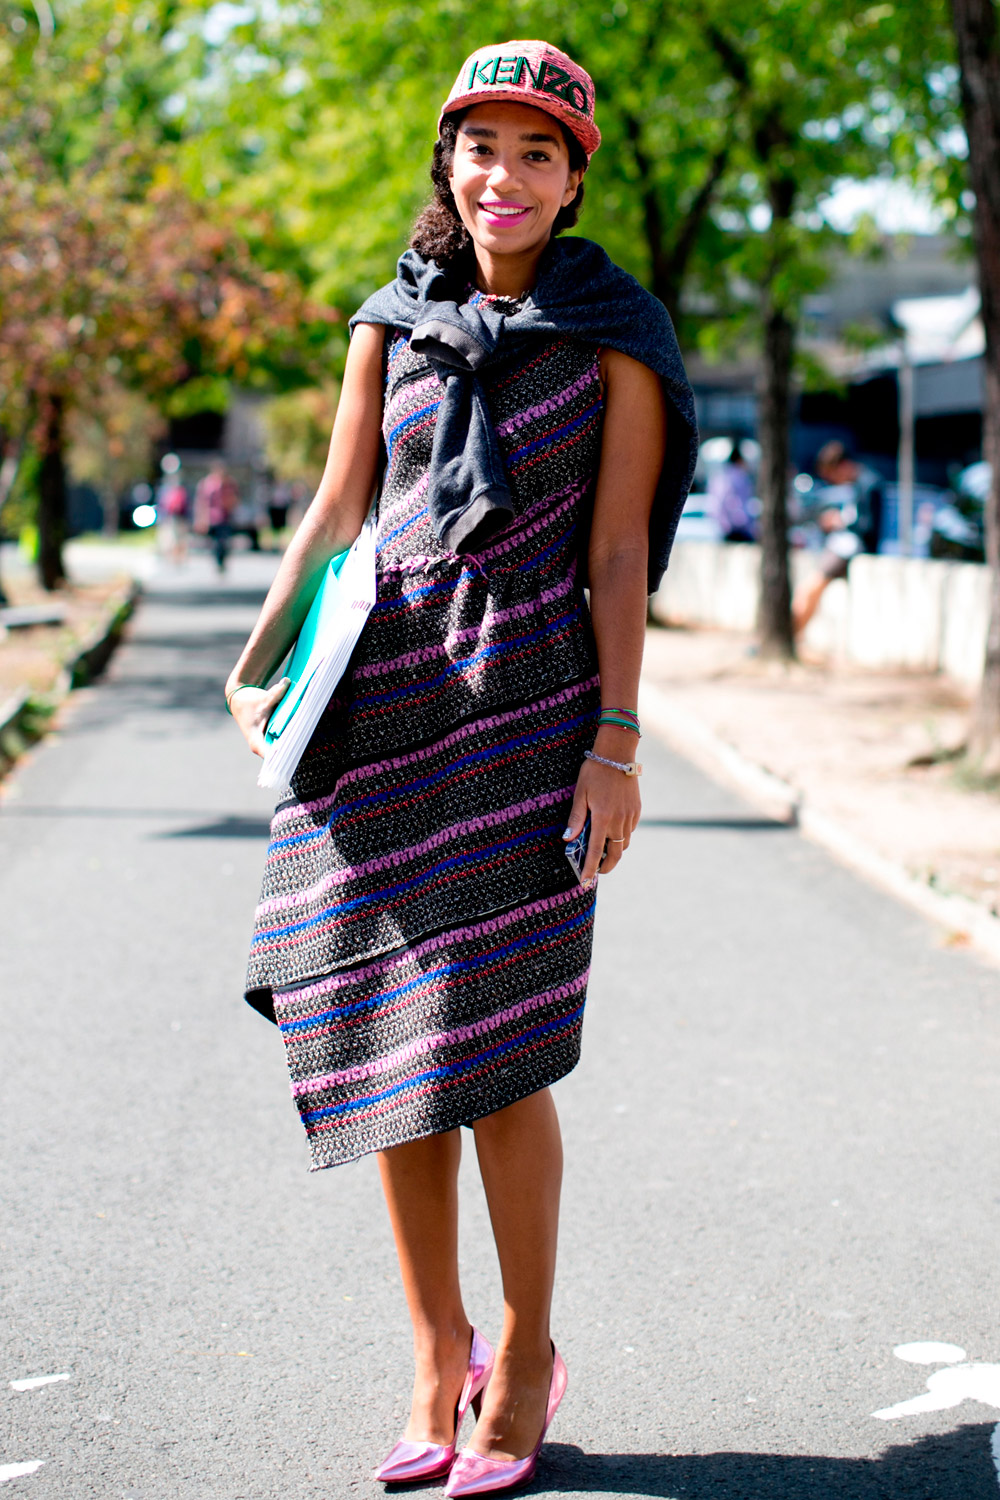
x: 863, y: 305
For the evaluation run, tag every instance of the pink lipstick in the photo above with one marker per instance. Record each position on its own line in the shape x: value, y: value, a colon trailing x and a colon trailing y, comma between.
x: 501, y: 211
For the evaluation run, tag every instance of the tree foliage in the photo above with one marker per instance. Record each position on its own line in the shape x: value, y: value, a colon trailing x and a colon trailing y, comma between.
x: 297, y: 430
x: 111, y: 271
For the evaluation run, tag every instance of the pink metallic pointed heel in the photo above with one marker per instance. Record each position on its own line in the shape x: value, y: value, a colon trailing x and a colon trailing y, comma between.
x: 409, y: 1461
x: 476, y: 1474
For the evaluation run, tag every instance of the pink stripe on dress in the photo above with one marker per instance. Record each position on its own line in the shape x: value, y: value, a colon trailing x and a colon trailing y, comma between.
x: 471, y: 633
x: 403, y: 856
x: 393, y: 1060
x: 332, y: 982
x: 455, y: 738
x: 552, y: 403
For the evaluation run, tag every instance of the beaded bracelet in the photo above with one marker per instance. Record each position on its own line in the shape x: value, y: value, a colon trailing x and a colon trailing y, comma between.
x: 627, y: 767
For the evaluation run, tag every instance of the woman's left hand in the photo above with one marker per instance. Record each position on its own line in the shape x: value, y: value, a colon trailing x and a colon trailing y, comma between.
x: 614, y: 804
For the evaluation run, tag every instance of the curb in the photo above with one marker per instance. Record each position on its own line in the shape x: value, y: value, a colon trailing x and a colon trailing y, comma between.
x: 14, y: 736
x: 92, y: 657
x: 964, y: 921
x: 24, y: 716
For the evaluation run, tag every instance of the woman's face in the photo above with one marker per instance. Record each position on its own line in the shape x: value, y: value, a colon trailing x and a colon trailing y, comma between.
x: 511, y: 176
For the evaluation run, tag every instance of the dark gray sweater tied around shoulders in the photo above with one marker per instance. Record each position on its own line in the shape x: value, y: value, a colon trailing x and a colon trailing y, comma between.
x: 580, y: 294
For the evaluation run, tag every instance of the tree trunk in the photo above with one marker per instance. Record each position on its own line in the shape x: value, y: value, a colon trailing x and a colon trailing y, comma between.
x: 8, y: 473
x: 979, y: 57
x: 52, y: 496
x: 774, y: 621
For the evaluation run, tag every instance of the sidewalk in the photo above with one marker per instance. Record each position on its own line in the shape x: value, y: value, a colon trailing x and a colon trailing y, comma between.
x: 856, y: 746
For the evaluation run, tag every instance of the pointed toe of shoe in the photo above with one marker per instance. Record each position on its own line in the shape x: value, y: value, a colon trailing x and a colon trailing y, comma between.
x: 475, y: 1474
x: 409, y: 1462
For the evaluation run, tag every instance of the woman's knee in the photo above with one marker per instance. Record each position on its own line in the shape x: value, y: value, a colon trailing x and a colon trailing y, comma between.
x: 528, y: 1115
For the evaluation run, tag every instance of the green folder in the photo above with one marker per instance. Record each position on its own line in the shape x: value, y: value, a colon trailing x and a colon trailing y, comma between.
x: 305, y: 656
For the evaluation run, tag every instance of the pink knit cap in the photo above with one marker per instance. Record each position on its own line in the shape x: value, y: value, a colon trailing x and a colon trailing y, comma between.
x: 530, y: 73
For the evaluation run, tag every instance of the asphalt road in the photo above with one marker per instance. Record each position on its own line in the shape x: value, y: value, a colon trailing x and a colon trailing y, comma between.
x: 781, y: 1150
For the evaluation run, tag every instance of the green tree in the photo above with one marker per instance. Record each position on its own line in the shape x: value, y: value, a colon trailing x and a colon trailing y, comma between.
x: 103, y: 283
x: 821, y: 91
x: 297, y: 429
x: 327, y: 116
x: 110, y: 272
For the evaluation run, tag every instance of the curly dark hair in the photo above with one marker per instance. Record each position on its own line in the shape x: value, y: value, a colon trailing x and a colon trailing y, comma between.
x: 439, y: 233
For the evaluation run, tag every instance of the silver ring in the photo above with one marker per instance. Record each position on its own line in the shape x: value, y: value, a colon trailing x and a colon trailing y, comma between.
x: 616, y: 841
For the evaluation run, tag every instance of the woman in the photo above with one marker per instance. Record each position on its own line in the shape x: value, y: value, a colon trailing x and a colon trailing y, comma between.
x: 421, y: 937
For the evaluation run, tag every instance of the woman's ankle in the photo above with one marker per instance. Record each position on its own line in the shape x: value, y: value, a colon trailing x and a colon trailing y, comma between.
x: 438, y: 1345
x: 524, y: 1349
x: 440, y: 1361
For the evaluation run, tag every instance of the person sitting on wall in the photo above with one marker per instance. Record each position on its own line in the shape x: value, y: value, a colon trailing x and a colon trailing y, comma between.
x: 730, y: 491
x: 850, y: 519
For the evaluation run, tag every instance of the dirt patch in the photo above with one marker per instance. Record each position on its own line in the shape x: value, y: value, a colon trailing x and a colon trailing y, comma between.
x: 32, y: 657
x: 863, y: 747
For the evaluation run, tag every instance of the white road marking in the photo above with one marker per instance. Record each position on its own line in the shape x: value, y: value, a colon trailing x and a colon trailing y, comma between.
x: 15, y: 1471
x: 929, y: 1354
x: 950, y: 1387
x: 975, y: 1381
x: 35, y: 1382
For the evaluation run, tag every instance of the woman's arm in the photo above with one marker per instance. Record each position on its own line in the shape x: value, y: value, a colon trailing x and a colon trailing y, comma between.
x: 330, y: 525
x: 632, y: 449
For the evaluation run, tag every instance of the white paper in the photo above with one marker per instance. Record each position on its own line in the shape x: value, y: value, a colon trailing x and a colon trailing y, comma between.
x: 357, y: 583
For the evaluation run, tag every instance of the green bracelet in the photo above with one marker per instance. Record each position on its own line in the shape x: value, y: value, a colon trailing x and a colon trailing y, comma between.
x: 607, y: 718
x: 238, y: 689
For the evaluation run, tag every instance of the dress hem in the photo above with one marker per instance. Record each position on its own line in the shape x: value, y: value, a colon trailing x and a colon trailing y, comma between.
x: 468, y: 1120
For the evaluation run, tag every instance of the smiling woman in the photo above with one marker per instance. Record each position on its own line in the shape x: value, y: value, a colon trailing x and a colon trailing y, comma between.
x: 422, y: 938
x: 469, y: 148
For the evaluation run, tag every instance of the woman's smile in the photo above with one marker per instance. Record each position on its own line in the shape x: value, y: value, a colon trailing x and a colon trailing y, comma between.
x: 502, y: 211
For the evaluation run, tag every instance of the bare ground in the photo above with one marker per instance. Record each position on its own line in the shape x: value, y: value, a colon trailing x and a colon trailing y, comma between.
x: 863, y: 747
x: 33, y: 656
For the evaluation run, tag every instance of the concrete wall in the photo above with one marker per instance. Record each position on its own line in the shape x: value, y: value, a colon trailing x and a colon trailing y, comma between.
x: 892, y: 612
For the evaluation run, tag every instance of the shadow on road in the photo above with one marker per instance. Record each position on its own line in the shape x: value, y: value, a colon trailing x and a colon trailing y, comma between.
x: 222, y: 828
x: 201, y: 641
x: 949, y: 1466
x: 231, y: 826
x: 199, y: 691
x: 206, y: 598
x: 734, y: 824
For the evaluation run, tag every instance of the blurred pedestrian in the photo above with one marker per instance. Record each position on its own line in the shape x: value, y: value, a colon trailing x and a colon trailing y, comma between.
x: 730, y: 491
x: 277, y: 510
x: 422, y: 938
x: 850, y: 518
x: 215, y: 501
x: 174, y: 510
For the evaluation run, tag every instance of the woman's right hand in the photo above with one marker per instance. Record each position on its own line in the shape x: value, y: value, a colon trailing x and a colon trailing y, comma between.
x: 252, y: 707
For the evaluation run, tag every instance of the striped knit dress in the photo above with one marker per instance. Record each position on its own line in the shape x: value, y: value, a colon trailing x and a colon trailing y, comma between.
x: 420, y: 934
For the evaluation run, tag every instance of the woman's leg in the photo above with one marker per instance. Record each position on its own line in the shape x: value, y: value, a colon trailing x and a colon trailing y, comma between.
x: 420, y: 1182
x: 520, y: 1158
